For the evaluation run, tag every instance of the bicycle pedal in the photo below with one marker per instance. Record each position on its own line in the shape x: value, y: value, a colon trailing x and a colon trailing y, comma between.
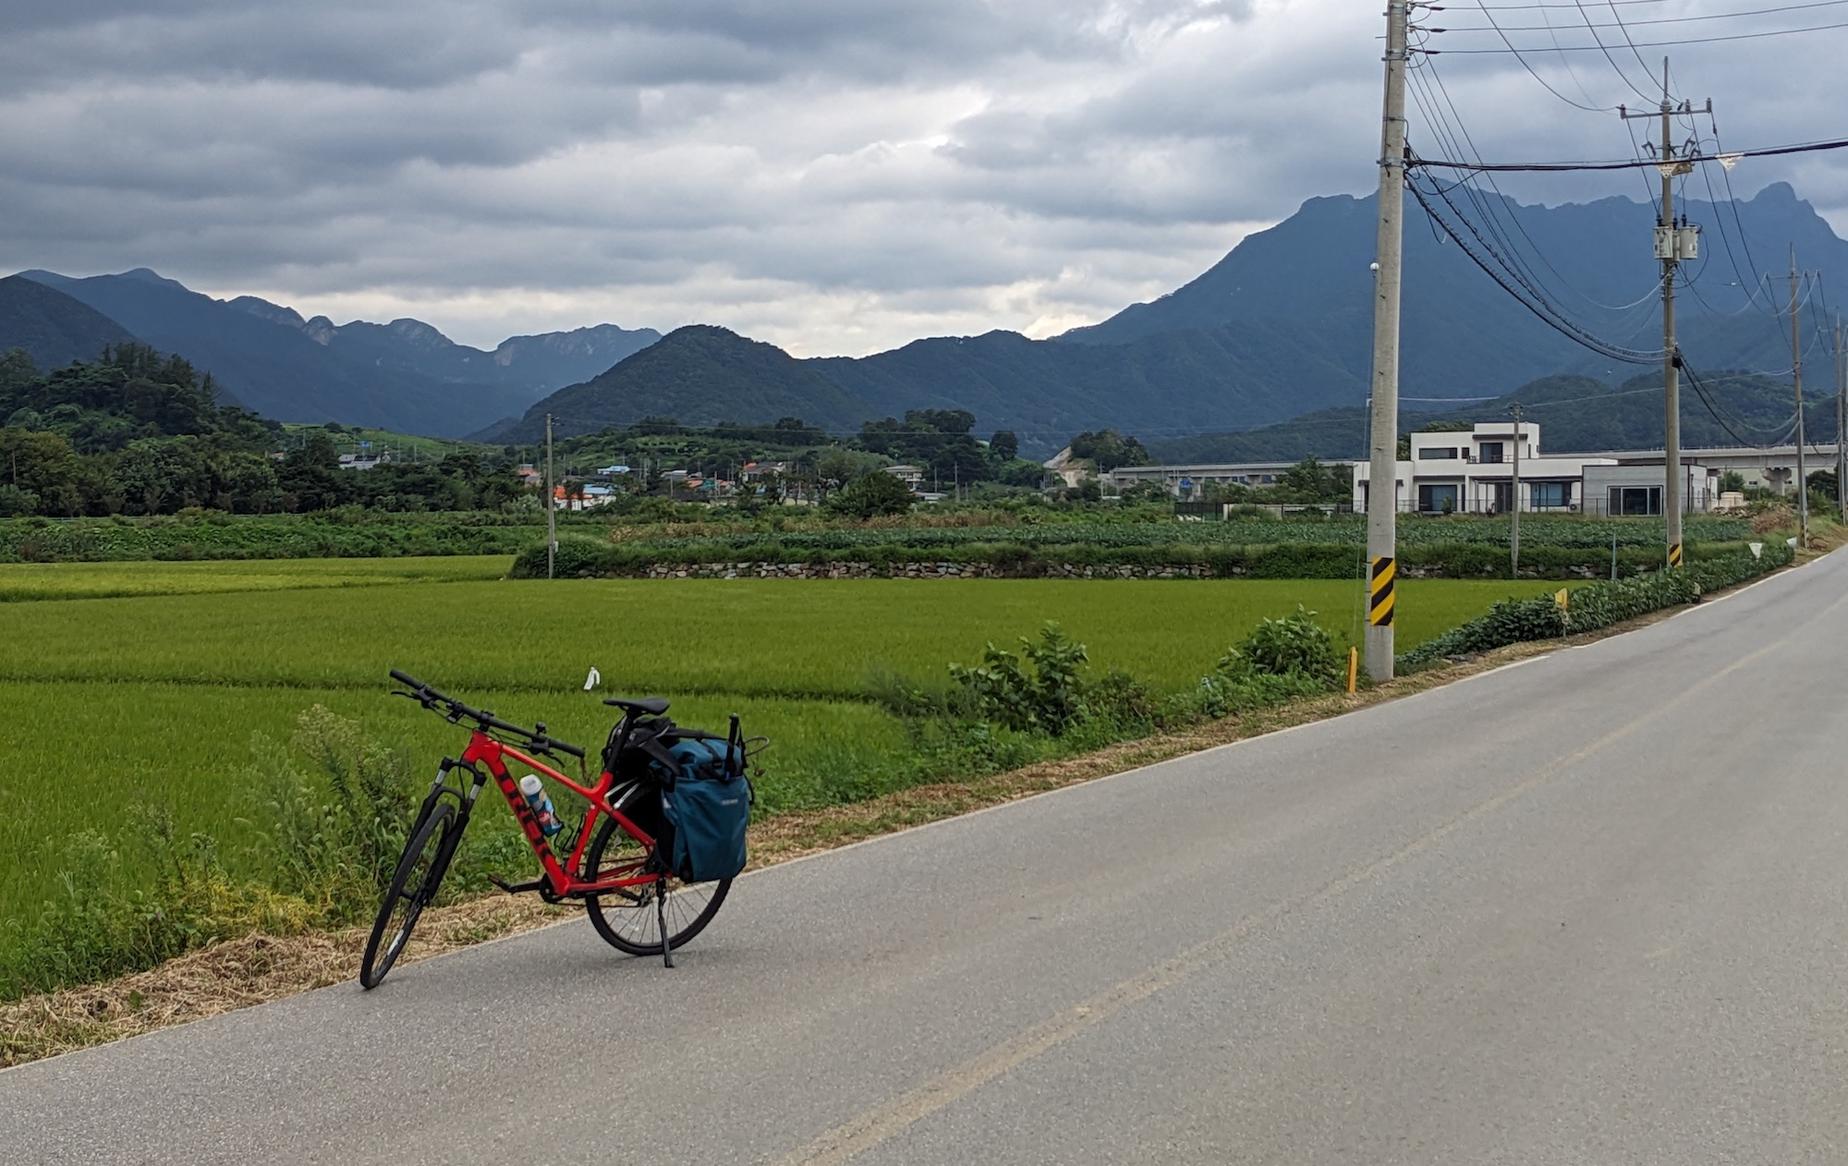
x: 516, y: 888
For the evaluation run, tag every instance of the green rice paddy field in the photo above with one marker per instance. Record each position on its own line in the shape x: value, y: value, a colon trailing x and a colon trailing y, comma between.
x: 128, y: 685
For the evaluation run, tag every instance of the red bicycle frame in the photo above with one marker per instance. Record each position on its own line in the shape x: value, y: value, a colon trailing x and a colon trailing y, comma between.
x: 560, y: 881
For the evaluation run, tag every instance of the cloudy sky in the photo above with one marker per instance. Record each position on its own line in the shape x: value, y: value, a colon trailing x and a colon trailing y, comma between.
x: 835, y: 176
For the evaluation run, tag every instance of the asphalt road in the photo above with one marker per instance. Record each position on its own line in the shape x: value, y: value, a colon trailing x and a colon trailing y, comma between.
x: 1591, y: 908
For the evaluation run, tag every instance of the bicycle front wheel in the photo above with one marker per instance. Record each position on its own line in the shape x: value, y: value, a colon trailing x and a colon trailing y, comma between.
x: 627, y: 918
x: 420, y: 872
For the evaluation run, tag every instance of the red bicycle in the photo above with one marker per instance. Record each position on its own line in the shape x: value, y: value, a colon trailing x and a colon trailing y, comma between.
x: 613, y: 861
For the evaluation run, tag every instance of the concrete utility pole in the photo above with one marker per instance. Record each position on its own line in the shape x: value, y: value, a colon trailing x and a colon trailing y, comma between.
x: 551, y: 504
x: 1796, y: 376
x: 1674, y: 242
x: 1841, y: 424
x: 1514, y: 500
x: 1383, y: 443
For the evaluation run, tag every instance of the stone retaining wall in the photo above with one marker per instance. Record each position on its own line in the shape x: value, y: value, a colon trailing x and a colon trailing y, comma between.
x: 853, y: 570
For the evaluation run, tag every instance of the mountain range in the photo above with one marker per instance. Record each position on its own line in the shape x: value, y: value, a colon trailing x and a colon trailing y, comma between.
x: 1576, y: 414
x: 404, y: 375
x: 1277, y: 329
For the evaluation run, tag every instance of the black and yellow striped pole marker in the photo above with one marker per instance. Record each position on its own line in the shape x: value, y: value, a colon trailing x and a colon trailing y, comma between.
x: 1674, y: 554
x: 1379, y: 591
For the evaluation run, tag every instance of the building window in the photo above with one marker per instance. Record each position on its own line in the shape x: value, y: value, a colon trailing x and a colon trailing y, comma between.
x: 1437, y: 499
x: 1550, y: 494
x: 1635, y: 500
x: 1491, y: 452
x: 1436, y: 452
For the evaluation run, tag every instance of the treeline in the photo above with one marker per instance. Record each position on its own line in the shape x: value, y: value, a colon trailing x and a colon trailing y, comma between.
x: 136, y: 432
x: 941, y: 443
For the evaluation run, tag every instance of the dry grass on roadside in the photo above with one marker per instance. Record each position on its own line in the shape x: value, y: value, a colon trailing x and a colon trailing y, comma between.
x: 235, y: 974
x: 261, y: 968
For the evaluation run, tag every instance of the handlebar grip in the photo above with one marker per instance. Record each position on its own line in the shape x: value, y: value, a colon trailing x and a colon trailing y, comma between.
x: 407, y: 678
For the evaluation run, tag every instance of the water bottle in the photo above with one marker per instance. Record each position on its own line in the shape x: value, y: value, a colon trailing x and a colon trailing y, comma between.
x: 541, y: 804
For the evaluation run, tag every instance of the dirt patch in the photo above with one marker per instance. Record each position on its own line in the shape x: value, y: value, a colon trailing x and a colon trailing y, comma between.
x: 259, y: 968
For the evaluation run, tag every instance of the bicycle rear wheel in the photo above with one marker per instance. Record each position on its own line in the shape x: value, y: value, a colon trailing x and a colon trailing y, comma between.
x: 420, y: 872
x: 628, y: 919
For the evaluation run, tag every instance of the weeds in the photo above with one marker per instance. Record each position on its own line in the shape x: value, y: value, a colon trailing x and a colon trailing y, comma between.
x: 326, y: 845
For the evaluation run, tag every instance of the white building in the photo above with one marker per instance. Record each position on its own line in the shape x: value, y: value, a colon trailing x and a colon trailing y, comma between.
x: 1472, y: 472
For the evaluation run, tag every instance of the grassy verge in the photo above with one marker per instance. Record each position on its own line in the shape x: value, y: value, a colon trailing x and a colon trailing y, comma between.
x: 256, y: 968
x: 144, y: 727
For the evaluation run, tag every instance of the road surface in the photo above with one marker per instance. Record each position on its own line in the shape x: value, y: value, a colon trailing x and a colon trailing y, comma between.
x: 1588, y: 909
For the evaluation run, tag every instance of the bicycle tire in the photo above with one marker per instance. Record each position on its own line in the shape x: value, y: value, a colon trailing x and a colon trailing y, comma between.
x: 636, y: 929
x: 412, y: 887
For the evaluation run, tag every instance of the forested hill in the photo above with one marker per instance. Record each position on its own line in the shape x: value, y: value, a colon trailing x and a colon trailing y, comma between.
x: 1575, y: 414
x: 51, y: 328
x: 404, y: 375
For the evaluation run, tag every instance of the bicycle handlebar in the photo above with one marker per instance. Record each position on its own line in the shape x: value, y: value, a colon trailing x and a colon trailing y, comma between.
x: 430, y: 698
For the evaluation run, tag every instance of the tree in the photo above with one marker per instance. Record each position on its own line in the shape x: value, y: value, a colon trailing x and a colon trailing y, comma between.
x: 1732, y: 482
x: 836, y: 466
x: 16, y: 372
x: 37, y: 463
x: 1311, y: 481
x: 310, y: 477
x: 1004, y: 446
x: 873, y: 493
x: 1107, y: 449
x: 15, y: 502
x: 1822, y: 482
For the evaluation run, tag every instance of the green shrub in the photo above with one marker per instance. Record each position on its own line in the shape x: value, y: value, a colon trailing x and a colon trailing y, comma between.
x: 872, y: 494
x: 1597, y: 605
x: 1295, y: 645
x: 1045, y: 694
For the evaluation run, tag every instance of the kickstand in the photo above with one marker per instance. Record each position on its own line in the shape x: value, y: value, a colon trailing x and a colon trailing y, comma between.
x: 667, y: 952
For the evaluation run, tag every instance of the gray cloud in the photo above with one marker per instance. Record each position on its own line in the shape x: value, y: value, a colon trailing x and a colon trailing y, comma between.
x: 831, y: 175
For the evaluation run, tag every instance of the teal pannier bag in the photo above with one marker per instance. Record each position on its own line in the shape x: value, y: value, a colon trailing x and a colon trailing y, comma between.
x: 707, y: 800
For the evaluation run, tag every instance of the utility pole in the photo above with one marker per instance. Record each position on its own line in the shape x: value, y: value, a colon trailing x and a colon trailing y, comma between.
x: 551, y: 503
x: 1383, y: 442
x: 1796, y: 376
x: 1841, y: 425
x: 1514, y: 500
x: 1673, y: 243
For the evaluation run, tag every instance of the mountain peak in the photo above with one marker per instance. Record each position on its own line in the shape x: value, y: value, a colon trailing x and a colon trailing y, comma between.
x: 418, y: 332
x: 1777, y: 192
x: 149, y: 275
x: 274, y: 313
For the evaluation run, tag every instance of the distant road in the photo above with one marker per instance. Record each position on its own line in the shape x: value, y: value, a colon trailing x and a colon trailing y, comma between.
x: 1589, y: 909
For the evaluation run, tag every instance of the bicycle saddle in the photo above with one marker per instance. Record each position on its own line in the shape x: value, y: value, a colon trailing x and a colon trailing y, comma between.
x: 652, y: 706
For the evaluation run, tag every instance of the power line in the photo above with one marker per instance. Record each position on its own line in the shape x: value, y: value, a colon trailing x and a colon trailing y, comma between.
x: 1529, y: 7
x: 1620, y: 23
x: 1538, y: 305
x: 1653, y: 44
x: 1630, y: 164
x: 1497, y: 211
x: 1442, y: 127
x: 1531, y: 70
x: 1618, y: 69
x: 1706, y: 399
